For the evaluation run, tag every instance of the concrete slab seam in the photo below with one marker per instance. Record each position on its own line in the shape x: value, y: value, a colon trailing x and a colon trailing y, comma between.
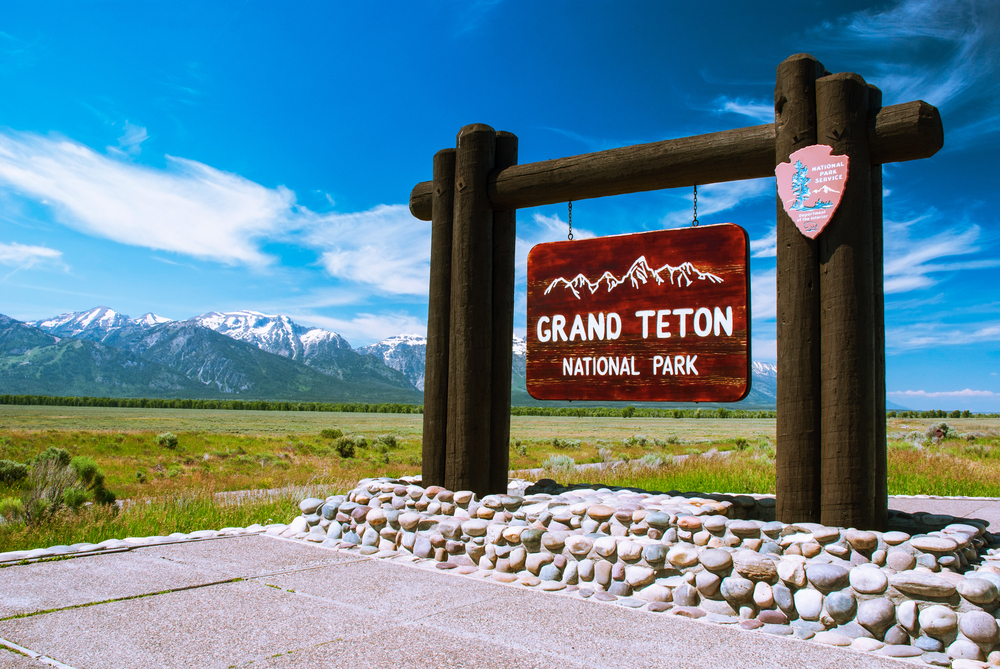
x: 20, y: 616
x: 110, y: 551
x: 44, y: 659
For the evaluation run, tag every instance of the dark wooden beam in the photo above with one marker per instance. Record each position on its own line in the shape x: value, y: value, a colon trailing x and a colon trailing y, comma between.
x: 901, y: 132
x: 881, y: 504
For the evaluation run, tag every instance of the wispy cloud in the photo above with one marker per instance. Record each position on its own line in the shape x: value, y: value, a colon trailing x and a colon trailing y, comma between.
x: 188, y: 208
x: 931, y: 334
x: 909, y: 258
x: 766, y: 246
x: 130, y: 143
x: 384, y: 247
x: 714, y: 199
x: 941, y: 52
x: 760, y: 111
x: 472, y: 15
x: 22, y: 256
x: 365, y: 328
x: 968, y: 392
x: 541, y: 229
x: 764, y: 294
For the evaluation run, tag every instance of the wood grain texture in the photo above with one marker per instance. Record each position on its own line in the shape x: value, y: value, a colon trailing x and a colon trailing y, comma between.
x: 470, y: 343
x: 797, y: 458
x: 907, y: 131
x: 504, y: 242
x: 720, y: 357
x: 880, y: 520
x: 438, y: 322
x: 847, y: 312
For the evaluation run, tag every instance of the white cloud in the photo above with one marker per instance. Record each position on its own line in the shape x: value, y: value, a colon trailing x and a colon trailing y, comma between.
x: 968, y: 392
x: 926, y: 335
x: 365, y: 328
x: 24, y: 256
x: 766, y: 246
x: 908, y: 265
x: 764, y: 294
x: 189, y: 208
x: 384, y: 247
x: 130, y: 143
x: 713, y: 199
x: 541, y: 229
x: 762, y: 112
x: 764, y: 349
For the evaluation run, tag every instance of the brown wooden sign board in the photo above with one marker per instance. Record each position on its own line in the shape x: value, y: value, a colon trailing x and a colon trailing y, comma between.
x: 655, y: 316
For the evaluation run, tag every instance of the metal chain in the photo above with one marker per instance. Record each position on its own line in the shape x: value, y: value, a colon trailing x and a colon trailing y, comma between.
x: 570, y: 235
x: 694, y: 223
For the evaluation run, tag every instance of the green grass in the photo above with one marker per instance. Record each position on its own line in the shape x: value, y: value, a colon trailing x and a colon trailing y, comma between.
x: 173, y: 488
x: 195, y: 510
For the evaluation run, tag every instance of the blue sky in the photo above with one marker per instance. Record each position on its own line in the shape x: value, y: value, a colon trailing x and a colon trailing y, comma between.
x: 187, y: 157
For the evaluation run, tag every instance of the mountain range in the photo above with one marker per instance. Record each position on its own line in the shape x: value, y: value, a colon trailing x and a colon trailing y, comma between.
x: 639, y: 273
x: 236, y: 355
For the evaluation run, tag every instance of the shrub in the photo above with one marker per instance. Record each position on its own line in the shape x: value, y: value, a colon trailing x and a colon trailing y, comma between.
x: 344, y: 447
x: 650, y: 460
x: 330, y: 433
x: 140, y: 476
x: 559, y: 463
x: 673, y: 439
x: 361, y: 441
x: 566, y: 443
x: 628, y: 411
x: 167, y: 439
x: 741, y: 444
x: 937, y: 432
x: 518, y: 447
x: 387, y: 440
x: 12, y: 472
x: 58, y: 455
x: 11, y: 509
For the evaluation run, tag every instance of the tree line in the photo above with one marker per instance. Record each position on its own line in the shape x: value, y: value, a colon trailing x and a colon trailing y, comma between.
x: 364, y: 407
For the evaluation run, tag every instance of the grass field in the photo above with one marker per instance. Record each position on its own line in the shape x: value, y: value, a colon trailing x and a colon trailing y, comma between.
x: 173, y: 488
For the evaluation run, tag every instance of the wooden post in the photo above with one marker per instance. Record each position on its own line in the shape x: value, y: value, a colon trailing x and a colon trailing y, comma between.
x: 798, y: 323
x: 847, y: 313
x: 881, y: 506
x: 438, y: 315
x: 471, y: 343
x: 504, y: 242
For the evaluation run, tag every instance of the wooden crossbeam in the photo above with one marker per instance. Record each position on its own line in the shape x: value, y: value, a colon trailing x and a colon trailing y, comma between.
x: 907, y: 131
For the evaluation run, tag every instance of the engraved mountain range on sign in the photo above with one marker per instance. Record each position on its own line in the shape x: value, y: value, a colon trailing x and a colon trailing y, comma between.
x: 638, y: 274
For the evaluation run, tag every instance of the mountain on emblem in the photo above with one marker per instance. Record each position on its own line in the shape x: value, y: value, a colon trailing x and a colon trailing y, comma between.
x: 638, y: 274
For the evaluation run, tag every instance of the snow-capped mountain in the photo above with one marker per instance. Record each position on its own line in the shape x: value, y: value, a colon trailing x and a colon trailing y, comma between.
x: 273, y: 333
x: 95, y: 324
x: 323, y: 350
x: 639, y: 273
x: 405, y: 353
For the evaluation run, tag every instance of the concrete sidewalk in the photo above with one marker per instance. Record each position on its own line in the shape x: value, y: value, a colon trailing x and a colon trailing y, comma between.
x: 262, y: 601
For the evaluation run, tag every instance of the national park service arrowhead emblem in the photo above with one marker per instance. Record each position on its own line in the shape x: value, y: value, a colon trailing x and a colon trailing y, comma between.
x: 810, y: 186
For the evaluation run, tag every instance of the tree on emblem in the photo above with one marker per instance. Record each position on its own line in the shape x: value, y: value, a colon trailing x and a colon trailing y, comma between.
x: 800, y: 188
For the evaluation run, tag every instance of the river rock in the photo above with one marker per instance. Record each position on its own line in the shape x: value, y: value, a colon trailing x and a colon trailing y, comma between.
x: 716, y: 559
x: 921, y: 584
x: 868, y: 581
x: 977, y: 590
x: 808, y: 603
x: 937, y: 621
x: 860, y: 540
x: 827, y: 577
x: 876, y: 615
x: 841, y: 606
x: 931, y: 544
x: 683, y: 555
x: 736, y: 590
x: 754, y: 566
x: 980, y: 627
x: 900, y: 560
x: 792, y: 572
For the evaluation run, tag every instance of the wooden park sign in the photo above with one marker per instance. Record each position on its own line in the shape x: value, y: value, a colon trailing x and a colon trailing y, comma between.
x: 655, y: 316
x: 831, y: 441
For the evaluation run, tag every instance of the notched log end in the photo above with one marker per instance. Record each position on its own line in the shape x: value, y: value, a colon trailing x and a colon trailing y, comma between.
x: 420, y: 200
